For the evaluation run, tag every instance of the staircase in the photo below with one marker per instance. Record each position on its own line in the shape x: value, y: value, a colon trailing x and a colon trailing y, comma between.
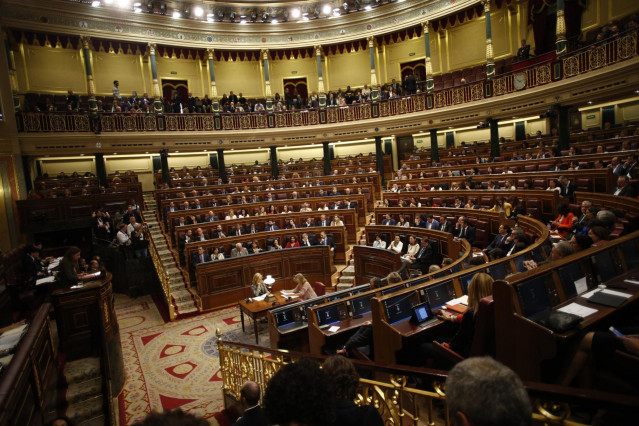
x: 83, y: 396
x: 346, y: 277
x: 182, y: 299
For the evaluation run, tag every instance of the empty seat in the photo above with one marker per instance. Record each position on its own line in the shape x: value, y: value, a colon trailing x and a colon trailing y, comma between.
x: 320, y: 288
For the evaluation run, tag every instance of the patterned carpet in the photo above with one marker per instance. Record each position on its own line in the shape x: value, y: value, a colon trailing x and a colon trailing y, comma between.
x: 170, y: 365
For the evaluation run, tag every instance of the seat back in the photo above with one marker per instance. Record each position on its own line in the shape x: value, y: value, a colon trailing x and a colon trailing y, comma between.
x: 484, y: 336
x: 320, y: 288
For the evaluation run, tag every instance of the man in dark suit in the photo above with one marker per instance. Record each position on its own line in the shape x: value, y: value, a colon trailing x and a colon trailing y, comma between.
x: 324, y: 240
x: 308, y: 223
x: 410, y: 84
x: 624, y: 189
x: 210, y: 217
x: 238, y: 230
x: 253, y: 229
x: 33, y: 269
x: 447, y: 225
x: 464, y: 230
x: 567, y: 187
x: 305, y: 241
x: 388, y: 220
x: 323, y: 221
x: 219, y: 232
x: 200, y: 256
x: 523, y: 52
x: 253, y: 413
x: 424, y: 257
x: 432, y: 223
x: 170, y: 208
x: 271, y: 226
x: 501, y: 240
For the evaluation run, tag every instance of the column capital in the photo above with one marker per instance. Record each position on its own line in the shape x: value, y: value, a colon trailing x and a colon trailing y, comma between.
x: 425, y: 26
x: 264, y: 53
x: 318, y: 49
x: 152, y: 47
x: 85, y: 41
x: 210, y: 52
x: 371, y: 41
x: 486, y: 4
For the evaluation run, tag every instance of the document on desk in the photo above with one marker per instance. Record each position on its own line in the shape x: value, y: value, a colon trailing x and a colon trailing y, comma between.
x: 631, y: 281
x: 54, y: 263
x: 577, y: 309
x: 259, y: 298
x: 45, y: 280
x: 333, y: 328
x: 463, y: 300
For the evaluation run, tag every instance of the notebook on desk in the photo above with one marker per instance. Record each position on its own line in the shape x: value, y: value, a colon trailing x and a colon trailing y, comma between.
x: 422, y: 314
x: 608, y: 299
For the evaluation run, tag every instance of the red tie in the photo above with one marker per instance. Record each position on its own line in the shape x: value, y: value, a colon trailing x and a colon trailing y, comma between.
x: 201, y: 258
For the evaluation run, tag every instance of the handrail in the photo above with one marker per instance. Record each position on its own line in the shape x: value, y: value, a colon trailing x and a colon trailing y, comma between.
x: 591, y: 58
x: 163, y: 275
x: 390, y: 392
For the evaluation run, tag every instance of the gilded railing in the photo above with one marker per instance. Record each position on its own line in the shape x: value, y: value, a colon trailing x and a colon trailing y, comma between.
x: 163, y: 275
x: 393, y: 392
x: 585, y: 60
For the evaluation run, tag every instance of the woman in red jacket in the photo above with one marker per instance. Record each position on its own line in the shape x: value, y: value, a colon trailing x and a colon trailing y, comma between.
x: 563, y: 223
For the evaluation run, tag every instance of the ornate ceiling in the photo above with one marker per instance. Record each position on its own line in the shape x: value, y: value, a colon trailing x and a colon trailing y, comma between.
x: 182, y: 23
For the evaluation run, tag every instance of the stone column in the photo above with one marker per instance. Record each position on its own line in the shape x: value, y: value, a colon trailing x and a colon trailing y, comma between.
x: 164, y: 161
x: 434, y: 147
x: 327, y: 158
x: 12, y: 72
x: 490, y: 60
x: 221, y: 166
x: 158, y: 104
x: 561, y: 29
x: 564, y: 127
x: 214, y: 101
x: 100, y: 168
x: 430, y: 83
x: 379, y: 159
x: 93, y: 103
x: 494, y: 137
x: 371, y: 49
x: 275, y: 170
x: 320, y: 77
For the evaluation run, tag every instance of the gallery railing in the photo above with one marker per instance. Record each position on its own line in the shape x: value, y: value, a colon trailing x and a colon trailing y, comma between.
x: 592, y: 58
x: 394, y: 391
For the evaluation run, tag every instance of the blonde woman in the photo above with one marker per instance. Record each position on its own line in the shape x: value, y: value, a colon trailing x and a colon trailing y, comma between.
x: 303, y: 288
x: 337, y: 221
x: 258, y: 286
x: 262, y: 212
x: 501, y: 206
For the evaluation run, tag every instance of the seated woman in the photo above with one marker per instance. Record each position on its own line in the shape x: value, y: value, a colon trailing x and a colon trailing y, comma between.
x: 257, y: 285
x: 343, y: 382
x: 396, y: 245
x: 303, y: 288
x: 291, y: 224
x: 69, y: 268
x: 553, y: 185
x: 501, y: 206
x: 216, y: 254
x: 480, y: 286
x: 293, y: 243
x: 563, y: 223
x: 276, y: 245
x: 337, y: 221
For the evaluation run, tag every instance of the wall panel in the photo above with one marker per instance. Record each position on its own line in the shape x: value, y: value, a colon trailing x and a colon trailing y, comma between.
x: 68, y: 165
x: 53, y: 70
x: 246, y: 156
x: 182, y: 69
x: 306, y: 152
x: 360, y: 147
x: 189, y: 160
x: 239, y: 76
x: 127, y: 69
x: 348, y: 69
x: 466, y: 44
x: 294, y: 68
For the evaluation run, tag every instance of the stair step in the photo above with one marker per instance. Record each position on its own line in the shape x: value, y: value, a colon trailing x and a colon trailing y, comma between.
x: 84, y: 390
x: 343, y: 286
x: 86, y: 410
x: 82, y: 370
x: 188, y: 310
x: 346, y: 280
x: 351, y: 261
x: 349, y: 271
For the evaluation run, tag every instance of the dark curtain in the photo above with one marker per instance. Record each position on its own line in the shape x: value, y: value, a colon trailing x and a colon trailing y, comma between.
x: 543, y: 18
x: 182, y: 87
x: 291, y: 85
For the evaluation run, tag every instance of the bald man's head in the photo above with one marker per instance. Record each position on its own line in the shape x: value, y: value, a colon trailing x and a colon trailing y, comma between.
x: 250, y: 393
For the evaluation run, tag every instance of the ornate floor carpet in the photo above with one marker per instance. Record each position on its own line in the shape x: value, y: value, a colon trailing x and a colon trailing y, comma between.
x: 175, y: 364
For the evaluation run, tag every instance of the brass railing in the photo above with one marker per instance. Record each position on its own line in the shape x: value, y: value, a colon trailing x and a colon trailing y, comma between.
x: 588, y: 59
x: 395, y: 396
x: 163, y: 275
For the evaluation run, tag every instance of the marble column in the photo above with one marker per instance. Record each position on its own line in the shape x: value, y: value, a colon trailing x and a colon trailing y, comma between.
x: 93, y: 103
x: 320, y: 77
x: 215, y: 104
x: 430, y: 83
x: 561, y: 29
x: 490, y: 60
x: 434, y: 147
x: 12, y: 72
x: 158, y: 104
x: 379, y: 159
x: 221, y: 166
x: 275, y: 170
x: 494, y: 137
x: 267, y: 81
x: 327, y: 158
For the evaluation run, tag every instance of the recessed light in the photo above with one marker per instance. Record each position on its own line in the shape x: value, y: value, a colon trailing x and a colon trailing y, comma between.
x: 295, y: 13
x: 274, y: 21
x: 327, y: 9
x: 368, y: 7
x: 81, y: 155
x: 177, y: 14
x: 198, y: 11
x: 205, y: 150
x: 124, y: 3
x: 177, y: 151
x: 589, y: 102
x: 115, y: 153
x: 96, y: 3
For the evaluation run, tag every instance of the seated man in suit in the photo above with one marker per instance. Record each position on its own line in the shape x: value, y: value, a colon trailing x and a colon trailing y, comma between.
x: 200, y: 235
x: 567, y: 187
x: 308, y: 222
x: 325, y: 241
x: 523, y: 52
x: 464, y: 230
x: 238, y: 230
x: 219, y: 233
x: 200, y: 256
x: 501, y: 240
x: 33, y: 269
x: 446, y: 225
x: 305, y: 241
x: 253, y: 229
x: 432, y: 223
x: 624, y: 189
x: 271, y: 226
x: 210, y: 217
x: 170, y: 208
x: 424, y: 257
x: 388, y: 220
x: 239, y: 250
x: 185, y: 239
x: 324, y: 221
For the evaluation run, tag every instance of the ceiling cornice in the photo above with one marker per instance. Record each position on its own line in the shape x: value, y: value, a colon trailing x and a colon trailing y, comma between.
x: 65, y: 17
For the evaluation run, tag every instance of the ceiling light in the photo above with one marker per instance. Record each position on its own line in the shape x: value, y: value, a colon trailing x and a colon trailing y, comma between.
x: 368, y: 7
x: 274, y: 21
x: 96, y: 3
x: 198, y: 11
x: 177, y: 14
x: 137, y: 10
x: 124, y: 3
x: 327, y: 9
x: 589, y: 102
x: 243, y: 20
x: 108, y: 1
x: 295, y: 13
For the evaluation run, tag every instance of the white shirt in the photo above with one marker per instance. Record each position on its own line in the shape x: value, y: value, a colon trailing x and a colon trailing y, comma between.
x: 412, y: 249
x: 396, y: 247
x: 380, y: 244
x: 123, y: 238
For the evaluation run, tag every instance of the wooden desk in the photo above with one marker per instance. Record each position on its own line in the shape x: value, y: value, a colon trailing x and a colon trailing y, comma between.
x: 257, y: 309
x: 224, y: 282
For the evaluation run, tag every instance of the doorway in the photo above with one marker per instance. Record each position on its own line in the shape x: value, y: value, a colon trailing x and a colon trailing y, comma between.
x: 294, y: 87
